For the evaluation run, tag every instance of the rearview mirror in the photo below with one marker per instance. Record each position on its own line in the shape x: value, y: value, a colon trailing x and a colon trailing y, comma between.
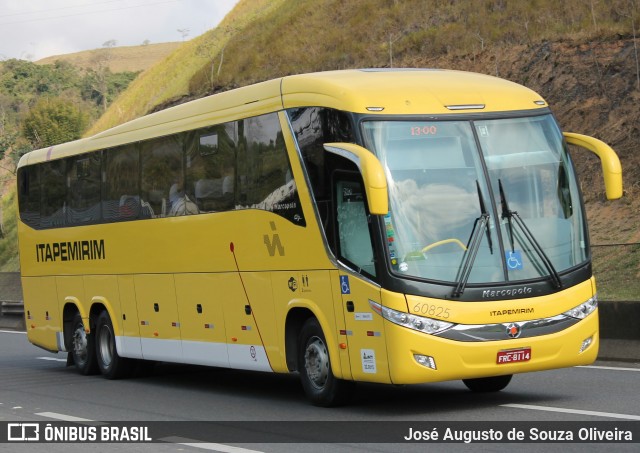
x: 373, y: 177
x: 611, y: 168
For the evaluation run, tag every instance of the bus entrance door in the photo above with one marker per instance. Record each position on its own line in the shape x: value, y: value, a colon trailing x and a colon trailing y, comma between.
x: 364, y: 329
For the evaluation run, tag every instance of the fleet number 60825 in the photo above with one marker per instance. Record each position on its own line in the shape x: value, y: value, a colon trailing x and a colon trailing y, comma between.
x: 436, y: 311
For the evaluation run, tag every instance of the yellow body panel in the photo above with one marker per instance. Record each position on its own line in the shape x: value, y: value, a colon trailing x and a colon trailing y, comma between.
x: 501, y: 311
x: 104, y: 291
x: 466, y: 360
x: 364, y: 331
x: 43, y: 317
x: 201, y: 313
x: 130, y: 325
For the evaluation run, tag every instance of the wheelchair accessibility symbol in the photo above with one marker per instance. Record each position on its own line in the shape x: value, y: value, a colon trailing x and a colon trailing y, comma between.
x: 513, y: 259
x: 344, y: 284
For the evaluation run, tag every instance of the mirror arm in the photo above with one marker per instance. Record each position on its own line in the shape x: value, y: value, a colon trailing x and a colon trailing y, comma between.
x: 373, y: 176
x: 611, y: 168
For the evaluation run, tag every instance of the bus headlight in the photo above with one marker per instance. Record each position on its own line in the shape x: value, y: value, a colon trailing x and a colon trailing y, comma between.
x: 414, y: 322
x: 584, y: 309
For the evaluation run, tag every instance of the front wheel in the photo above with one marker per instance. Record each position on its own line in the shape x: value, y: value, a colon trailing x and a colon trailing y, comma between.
x: 488, y: 384
x: 111, y: 365
x: 320, y: 385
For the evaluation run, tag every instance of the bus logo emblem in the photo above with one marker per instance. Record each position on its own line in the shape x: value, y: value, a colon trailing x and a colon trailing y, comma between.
x: 273, y: 244
x: 513, y: 330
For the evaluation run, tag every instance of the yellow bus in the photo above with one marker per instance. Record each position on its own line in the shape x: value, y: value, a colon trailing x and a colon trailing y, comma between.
x: 390, y: 226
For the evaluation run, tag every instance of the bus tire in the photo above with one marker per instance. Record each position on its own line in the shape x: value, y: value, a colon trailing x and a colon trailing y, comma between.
x: 320, y: 385
x: 111, y: 365
x: 488, y: 384
x: 83, y: 349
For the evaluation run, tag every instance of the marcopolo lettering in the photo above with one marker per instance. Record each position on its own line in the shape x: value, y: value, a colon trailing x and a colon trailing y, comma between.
x: 71, y: 251
x: 508, y: 292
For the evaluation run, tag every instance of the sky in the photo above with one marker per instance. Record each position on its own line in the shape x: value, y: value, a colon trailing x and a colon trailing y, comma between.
x: 35, y: 29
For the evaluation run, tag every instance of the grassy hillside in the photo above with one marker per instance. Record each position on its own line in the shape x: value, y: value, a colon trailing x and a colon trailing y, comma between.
x: 9, y: 239
x: 169, y: 80
x: 582, y: 56
x: 118, y: 59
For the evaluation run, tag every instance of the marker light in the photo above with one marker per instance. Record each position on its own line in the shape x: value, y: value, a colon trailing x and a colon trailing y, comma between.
x: 584, y: 309
x: 419, y: 323
x: 425, y: 360
x: 585, y: 344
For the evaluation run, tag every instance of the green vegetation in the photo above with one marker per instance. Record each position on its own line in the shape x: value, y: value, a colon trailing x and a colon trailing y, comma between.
x: 52, y: 121
x: 168, y: 82
x: 617, y: 271
x: 40, y: 106
x: 36, y: 92
x: 261, y: 39
x: 582, y: 56
x: 9, y: 239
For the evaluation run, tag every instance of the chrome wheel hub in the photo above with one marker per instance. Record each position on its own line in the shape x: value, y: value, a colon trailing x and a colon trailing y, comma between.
x: 316, y: 362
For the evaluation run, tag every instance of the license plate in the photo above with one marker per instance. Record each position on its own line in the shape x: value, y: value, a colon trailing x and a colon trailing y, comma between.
x: 514, y: 356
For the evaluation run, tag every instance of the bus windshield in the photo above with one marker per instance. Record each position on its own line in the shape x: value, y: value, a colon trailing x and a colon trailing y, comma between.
x: 483, y: 201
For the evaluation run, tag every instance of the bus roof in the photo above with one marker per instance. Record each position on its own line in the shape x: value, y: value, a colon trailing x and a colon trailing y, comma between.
x: 407, y: 92
x: 370, y: 91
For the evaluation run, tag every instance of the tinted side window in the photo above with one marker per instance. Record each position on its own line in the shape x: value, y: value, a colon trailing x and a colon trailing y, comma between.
x: 313, y: 127
x: 210, y: 166
x: 162, y: 184
x: 85, y: 177
x: 265, y: 180
x: 29, y: 195
x: 121, y: 189
x: 54, y: 193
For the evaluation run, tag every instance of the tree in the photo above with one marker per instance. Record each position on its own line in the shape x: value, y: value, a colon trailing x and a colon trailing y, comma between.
x: 102, y: 89
x: 53, y: 121
x: 100, y: 70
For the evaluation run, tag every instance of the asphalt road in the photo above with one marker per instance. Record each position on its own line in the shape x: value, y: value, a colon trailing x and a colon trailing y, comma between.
x: 36, y: 386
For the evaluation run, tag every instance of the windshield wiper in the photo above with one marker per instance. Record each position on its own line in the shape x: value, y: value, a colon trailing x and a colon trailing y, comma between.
x: 473, y: 244
x: 513, y: 215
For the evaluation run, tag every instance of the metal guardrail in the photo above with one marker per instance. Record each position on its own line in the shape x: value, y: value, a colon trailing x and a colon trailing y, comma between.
x: 12, y: 308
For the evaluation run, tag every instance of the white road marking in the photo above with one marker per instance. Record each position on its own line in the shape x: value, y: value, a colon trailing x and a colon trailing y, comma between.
x: 51, y: 359
x: 612, y: 368
x: 69, y: 418
x: 572, y: 411
x: 207, y: 445
x: 13, y: 331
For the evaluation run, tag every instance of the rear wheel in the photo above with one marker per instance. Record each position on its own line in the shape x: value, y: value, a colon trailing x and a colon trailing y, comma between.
x: 320, y: 385
x: 111, y: 365
x: 488, y: 384
x: 82, y: 347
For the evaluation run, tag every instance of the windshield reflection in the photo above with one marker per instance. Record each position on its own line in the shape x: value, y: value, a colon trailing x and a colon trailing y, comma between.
x: 437, y: 179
